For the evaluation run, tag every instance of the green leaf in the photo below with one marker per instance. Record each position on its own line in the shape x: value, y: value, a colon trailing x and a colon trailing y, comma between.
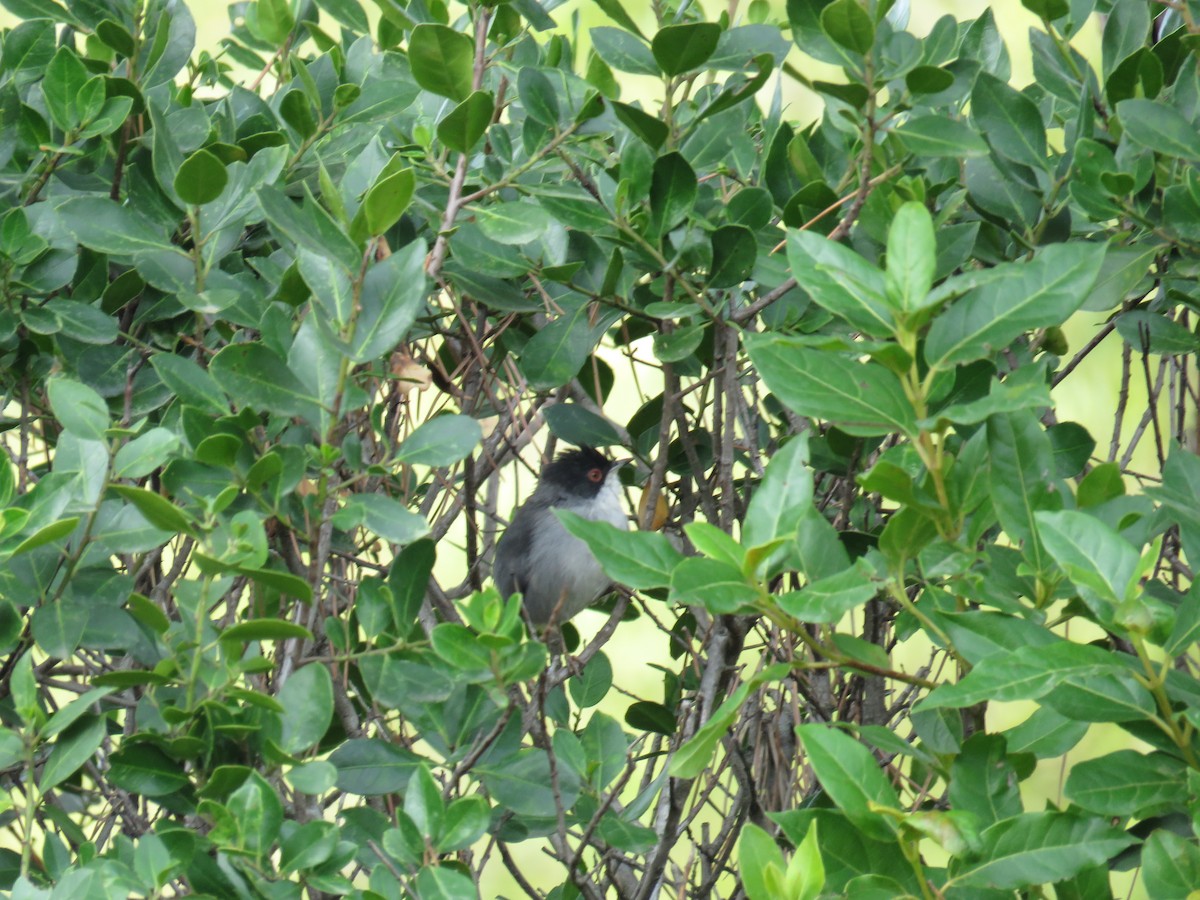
x: 1020, y: 297
x: 647, y: 127
x: 591, y: 685
x: 201, y: 179
x: 392, y: 296
x: 307, y: 700
x: 830, y: 598
x: 81, y: 411
x: 387, y: 200
x: 851, y: 776
x: 258, y: 812
x: 347, y: 12
x: 575, y: 424
x: 1009, y: 120
x: 65, y: 76
x: 911, y: 257
x: 513, y: 223
x: 423, y: 802
x: 265, y: 630
x: 1160, y: 127
x: 145, y: 453
x: 75, y: 746
x: 464, y: 125
x: 381, y: 515
x: 441, y: 441
x: 538, y: 96
x: 100, y: 224
x: 848, y: 24
x: 158, y: 510
x: 672, y: 192
x: 623, y: 51
x: 940, y: 136
x: 442, y: 60
x: 1039, y: 848
x: 1023, y: 674
x: 1170, y: 865
x: 466, y: 820
x: 861, y: 399
x: 983, y: 782
x: 46, y: 534
x: 757, y: 855
x: 308, y: 846
x: 782, y: 498
x: 309, y: 226
x: 445, y: 883
x: 523, y: 783
x: 841, y: 281
x: 296, y: 109
x: 640, y: 560
x: 734, y: 252
x: 715, y: 585
x: 409, y: 579
x: 1012, y: 395
x: 146, y: 770
x: 1127, y: 783
x: 1125, y: 32
x: 555, y: 354
x: 805, y: 875
x: 696, y: 754
x: 681, y: 48
x: 372, y: 766
x: 190, y: 383
x: 259, y: 379
x: 313, y: 778
x: 1099, y: 561
x: 1022, y: 477
x: 273, y: 20
x: 57, y: 626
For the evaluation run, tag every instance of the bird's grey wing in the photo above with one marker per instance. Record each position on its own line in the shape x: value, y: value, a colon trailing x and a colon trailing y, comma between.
x: 513, y: 545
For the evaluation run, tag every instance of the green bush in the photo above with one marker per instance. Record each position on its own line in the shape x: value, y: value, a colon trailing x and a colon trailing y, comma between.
x: 279, y: 317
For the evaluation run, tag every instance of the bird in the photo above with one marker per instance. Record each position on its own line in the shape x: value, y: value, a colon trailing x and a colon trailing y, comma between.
x: 554, y: 571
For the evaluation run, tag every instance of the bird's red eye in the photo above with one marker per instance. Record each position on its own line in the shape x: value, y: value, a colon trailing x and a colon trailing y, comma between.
x: 596, y: 475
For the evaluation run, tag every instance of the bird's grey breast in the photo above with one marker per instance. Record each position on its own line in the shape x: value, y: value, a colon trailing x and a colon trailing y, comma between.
x: 562, y: 566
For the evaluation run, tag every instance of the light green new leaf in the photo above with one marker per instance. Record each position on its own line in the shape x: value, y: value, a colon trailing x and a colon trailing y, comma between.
x: 758, y: 855
x: 911, y: 257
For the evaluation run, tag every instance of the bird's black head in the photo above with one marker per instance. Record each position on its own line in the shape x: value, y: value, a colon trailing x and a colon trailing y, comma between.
x: 580, y: 473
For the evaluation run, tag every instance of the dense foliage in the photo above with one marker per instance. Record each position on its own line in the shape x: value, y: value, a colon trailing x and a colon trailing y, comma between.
x: 281, y: 318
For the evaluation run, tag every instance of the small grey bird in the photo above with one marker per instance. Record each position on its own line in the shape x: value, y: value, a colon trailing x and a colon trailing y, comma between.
x: 553, y: 570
